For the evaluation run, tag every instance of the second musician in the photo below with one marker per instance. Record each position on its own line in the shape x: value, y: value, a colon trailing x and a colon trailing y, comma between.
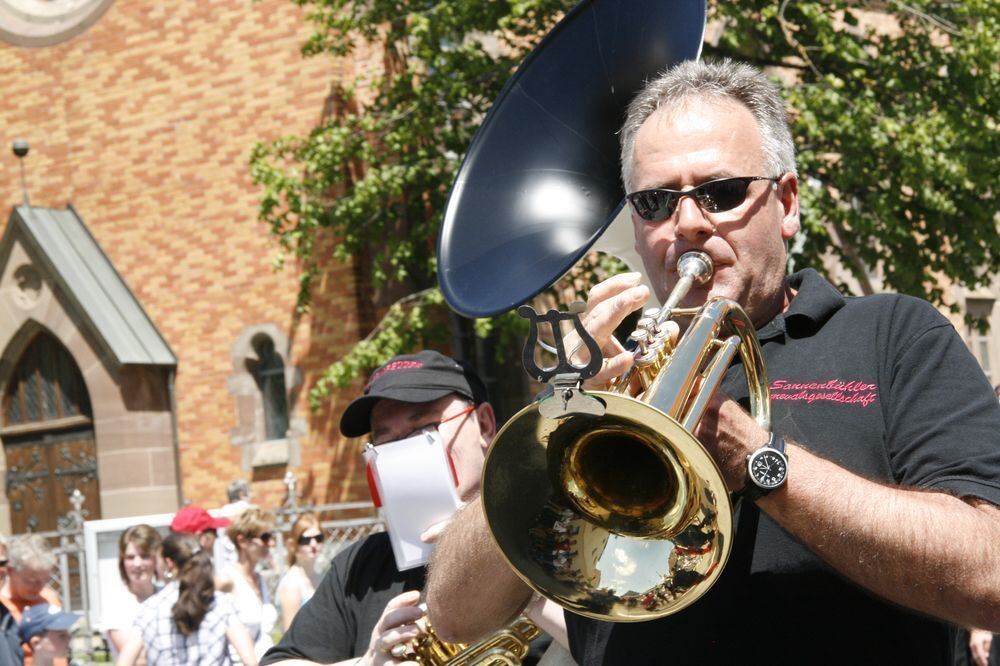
x: 365, y: 609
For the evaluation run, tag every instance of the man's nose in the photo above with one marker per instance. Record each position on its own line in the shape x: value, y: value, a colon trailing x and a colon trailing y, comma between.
x: 692, y: 223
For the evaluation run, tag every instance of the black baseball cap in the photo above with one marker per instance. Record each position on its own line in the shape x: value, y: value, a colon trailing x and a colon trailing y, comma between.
x: 422, y: 377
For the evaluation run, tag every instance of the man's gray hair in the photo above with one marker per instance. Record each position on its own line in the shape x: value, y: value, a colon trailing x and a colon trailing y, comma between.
x: 696, y: 80
x: 238, y: 489
x: 31, y: 551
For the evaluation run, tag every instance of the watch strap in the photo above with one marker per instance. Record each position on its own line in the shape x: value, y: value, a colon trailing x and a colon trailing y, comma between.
x: 777, y: 443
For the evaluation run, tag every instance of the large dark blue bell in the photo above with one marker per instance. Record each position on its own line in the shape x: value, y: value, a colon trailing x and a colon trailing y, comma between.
x: 540, y: 181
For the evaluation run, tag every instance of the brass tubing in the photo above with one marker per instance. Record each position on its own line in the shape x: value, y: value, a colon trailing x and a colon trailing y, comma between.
x: 713, y: 377
x: 672, y: 388
x: 690, y: 354
x: 739, y: 324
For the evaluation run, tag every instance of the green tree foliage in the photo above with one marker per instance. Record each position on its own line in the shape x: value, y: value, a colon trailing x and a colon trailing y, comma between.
x: 896, y: 124
x: 895, y: 109
x: 376, y: 173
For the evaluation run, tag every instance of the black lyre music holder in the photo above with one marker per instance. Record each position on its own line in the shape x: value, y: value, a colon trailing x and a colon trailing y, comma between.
x: 565, y: 377
x: 563, y: 366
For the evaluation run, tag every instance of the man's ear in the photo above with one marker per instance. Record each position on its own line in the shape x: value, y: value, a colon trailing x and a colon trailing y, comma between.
x: 788, y: 197
x: 34, y: 641
x: 487, y: 422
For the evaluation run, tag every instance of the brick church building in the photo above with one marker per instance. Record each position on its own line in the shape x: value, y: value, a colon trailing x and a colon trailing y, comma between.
x: 149, y: 354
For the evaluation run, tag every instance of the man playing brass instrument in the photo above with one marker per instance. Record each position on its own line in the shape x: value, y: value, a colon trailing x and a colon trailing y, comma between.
x: 883, y: 527
x: 365, y: 611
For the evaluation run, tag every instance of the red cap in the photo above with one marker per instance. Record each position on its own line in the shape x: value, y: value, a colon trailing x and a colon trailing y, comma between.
x: 194, y: 520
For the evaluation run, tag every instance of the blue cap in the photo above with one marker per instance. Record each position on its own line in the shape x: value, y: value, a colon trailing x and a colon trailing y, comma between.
x: 40, y: 618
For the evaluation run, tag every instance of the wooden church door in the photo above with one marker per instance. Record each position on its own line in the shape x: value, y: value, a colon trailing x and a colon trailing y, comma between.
x: 48, y: 438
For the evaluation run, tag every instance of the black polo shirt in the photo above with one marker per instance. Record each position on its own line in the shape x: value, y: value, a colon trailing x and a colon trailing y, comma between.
x: 883, y: 386
x: 337, y: 621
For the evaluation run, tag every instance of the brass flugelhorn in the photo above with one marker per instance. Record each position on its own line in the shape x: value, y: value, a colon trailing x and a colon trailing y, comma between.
x: 506, y: 647
x: 607, y: 504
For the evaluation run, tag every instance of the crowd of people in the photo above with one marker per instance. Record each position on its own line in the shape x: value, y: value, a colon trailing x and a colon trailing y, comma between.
x: 195, y: 593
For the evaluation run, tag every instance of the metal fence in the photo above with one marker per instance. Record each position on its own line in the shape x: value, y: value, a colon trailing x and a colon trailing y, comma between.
x: 343, y: 523
x: 70, y: 578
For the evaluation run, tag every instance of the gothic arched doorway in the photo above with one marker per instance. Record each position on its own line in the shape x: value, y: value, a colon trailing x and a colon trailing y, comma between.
x: 48, y: 437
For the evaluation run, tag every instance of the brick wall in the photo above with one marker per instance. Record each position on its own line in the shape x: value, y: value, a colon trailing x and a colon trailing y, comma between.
x: 144, y: 123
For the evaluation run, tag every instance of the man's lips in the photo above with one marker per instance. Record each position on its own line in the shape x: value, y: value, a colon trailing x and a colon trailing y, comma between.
x: 675, y: 253
x: 716, y: 267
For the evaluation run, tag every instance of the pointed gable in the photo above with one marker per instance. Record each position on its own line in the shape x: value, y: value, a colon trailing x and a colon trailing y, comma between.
x: 67, y: 251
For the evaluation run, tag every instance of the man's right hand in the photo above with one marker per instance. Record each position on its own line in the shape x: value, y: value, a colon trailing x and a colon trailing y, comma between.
x: 608, y: 303
x: 979, y: 646
x: 396, y: 626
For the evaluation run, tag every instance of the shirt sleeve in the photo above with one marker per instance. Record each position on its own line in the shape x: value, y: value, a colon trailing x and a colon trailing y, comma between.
x: 111, y: 617
x: 323, y: 630
x: 942, y: 415
x: 226, y: 607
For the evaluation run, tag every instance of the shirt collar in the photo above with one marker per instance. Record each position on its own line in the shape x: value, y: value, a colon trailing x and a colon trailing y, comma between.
x: 815, y: 302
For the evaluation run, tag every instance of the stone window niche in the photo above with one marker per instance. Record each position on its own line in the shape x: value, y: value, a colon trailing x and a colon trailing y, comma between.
x: 262, y: 384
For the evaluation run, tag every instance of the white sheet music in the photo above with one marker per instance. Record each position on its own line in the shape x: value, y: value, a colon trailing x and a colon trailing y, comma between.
x: 415, y: 482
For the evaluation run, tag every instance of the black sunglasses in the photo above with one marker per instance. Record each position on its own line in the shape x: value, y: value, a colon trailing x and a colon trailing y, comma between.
x: 306, y: 540
x: 714, y: 196
x: 266, y: 537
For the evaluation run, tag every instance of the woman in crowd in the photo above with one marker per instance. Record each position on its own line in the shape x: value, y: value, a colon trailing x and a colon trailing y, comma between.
x: 252, y: 532
x: 188, y: 622
x: 301, y: 579
x: 138, y: 551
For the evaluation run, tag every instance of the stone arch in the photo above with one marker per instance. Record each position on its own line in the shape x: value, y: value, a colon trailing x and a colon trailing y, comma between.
x: 48, y: 433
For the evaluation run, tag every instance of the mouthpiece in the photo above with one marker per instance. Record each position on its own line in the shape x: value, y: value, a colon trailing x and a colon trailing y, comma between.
x: 696, y: 265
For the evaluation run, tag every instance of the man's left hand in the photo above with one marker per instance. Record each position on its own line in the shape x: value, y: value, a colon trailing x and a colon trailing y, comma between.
x: 730, y: 434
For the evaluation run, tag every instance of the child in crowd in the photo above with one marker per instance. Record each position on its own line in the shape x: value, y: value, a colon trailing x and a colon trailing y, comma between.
x: 45, y: 629
x: 138, y: 551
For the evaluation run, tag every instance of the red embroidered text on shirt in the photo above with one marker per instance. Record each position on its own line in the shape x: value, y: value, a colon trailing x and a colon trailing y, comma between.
x: 850, y: 392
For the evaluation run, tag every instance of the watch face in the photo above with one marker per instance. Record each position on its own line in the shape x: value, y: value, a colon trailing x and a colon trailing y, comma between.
x: 768, y: 468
